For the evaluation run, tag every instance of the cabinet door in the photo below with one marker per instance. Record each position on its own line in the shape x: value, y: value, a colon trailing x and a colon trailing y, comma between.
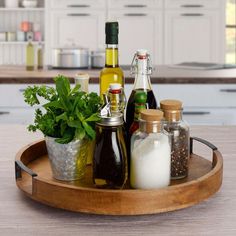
x: 192, y: 35
x: 77, y: 28
x: 139, y: 30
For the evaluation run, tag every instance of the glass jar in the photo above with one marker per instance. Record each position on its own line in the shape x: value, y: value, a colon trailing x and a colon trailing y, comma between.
x: 110, y: 169
x: 179, y: 132
x: 150, y: 153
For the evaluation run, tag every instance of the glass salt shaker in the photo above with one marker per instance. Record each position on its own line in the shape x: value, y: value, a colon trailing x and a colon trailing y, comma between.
x: 150, y: 152
x: 110, y: 166
x: 179, y: 131
x: 83, y: 80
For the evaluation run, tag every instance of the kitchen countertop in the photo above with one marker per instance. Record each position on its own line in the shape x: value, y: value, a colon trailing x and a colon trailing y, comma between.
x: 161, y: 75
x: 21, y: 216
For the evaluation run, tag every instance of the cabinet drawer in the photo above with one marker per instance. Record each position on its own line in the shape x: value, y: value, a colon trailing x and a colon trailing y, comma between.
x: 10, y: 115
x: 192, y: 4
x: 199, y: 95
x: 134, y: 4
x: 12, y: 95
x: 78, y: 4
x: 206, y: 116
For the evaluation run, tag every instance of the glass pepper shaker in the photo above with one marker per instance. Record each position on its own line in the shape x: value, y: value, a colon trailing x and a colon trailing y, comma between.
x: 110, y: 168
x: 179, y: 131
x: 150, y: 153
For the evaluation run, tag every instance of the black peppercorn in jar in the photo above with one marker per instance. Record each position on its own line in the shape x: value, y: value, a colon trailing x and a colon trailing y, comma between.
x: 179, y: 131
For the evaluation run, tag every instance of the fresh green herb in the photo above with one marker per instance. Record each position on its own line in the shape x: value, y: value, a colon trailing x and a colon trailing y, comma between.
x: 66, y: 113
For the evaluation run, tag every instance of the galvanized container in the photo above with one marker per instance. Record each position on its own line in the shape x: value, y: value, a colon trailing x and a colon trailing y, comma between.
x: 68, y: 161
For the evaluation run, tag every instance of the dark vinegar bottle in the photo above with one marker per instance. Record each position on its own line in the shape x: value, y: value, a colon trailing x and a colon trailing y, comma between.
x: 142, y: 70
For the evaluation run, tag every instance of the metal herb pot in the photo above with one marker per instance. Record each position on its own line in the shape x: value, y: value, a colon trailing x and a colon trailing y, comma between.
x: 98, y: 59
x: 70, y: 58
x: 68, y: 161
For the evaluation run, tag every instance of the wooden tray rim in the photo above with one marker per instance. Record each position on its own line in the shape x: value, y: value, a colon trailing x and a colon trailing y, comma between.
x: 216, y: 169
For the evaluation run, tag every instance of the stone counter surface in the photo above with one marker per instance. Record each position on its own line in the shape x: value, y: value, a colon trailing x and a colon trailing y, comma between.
x: 161, y: 75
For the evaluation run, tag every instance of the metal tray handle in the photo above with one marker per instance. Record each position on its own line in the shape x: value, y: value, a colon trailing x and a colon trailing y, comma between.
x: 19, y: 167
x: 210, y: 145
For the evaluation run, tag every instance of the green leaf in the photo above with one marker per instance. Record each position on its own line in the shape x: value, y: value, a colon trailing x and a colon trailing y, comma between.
x: 54, y: 104
x: 93, y: 117
x: 62, y: 85
x: 89, y: 130
x: 80, y: 133
x: 67, y: 137
x: 63, y: 90
x: 63, y: 116
x: 63, y: 127
x: 79, y: 115
x: 74, y: 123
x: 75, y: 89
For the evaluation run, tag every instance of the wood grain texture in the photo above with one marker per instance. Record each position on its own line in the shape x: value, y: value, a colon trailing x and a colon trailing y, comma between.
x: 204, y: 179
x: 22, y: 216
x: 160, y: 75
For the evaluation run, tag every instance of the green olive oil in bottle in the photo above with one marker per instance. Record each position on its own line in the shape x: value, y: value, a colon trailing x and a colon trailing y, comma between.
x: 111, y: 73
x: 30, y: 55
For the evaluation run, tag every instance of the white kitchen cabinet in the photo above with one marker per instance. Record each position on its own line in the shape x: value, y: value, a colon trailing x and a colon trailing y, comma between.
x: 84, y: 28
x: 139, y: 29
x: 194, y: 31
x: 13, y: 109
x: 203, y: 104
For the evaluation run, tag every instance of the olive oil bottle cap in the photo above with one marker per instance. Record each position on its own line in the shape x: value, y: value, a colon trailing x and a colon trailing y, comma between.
x: 112, y: 31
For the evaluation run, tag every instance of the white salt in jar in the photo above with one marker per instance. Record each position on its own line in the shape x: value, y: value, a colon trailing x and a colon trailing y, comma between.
x: 150, y: 153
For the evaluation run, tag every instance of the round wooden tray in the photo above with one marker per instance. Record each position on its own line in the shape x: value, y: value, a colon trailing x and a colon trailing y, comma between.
x: 34, y: 178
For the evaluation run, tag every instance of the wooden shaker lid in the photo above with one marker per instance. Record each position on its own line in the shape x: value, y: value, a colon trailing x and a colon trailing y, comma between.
x: 172, y: 109
x: 171, y: 104
x: 151, y: 115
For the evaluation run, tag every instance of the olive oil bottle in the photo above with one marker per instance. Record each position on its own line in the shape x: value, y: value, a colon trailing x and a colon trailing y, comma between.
x: 30, y: 55
x: 40, y: 56
x: 111, y: 73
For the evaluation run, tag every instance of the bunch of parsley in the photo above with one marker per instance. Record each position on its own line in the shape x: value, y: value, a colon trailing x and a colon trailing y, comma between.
x: 68, y: 113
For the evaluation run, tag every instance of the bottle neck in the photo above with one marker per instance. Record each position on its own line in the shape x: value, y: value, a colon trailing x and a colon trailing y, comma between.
x: 112, y: 55
x: 142, y: 74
